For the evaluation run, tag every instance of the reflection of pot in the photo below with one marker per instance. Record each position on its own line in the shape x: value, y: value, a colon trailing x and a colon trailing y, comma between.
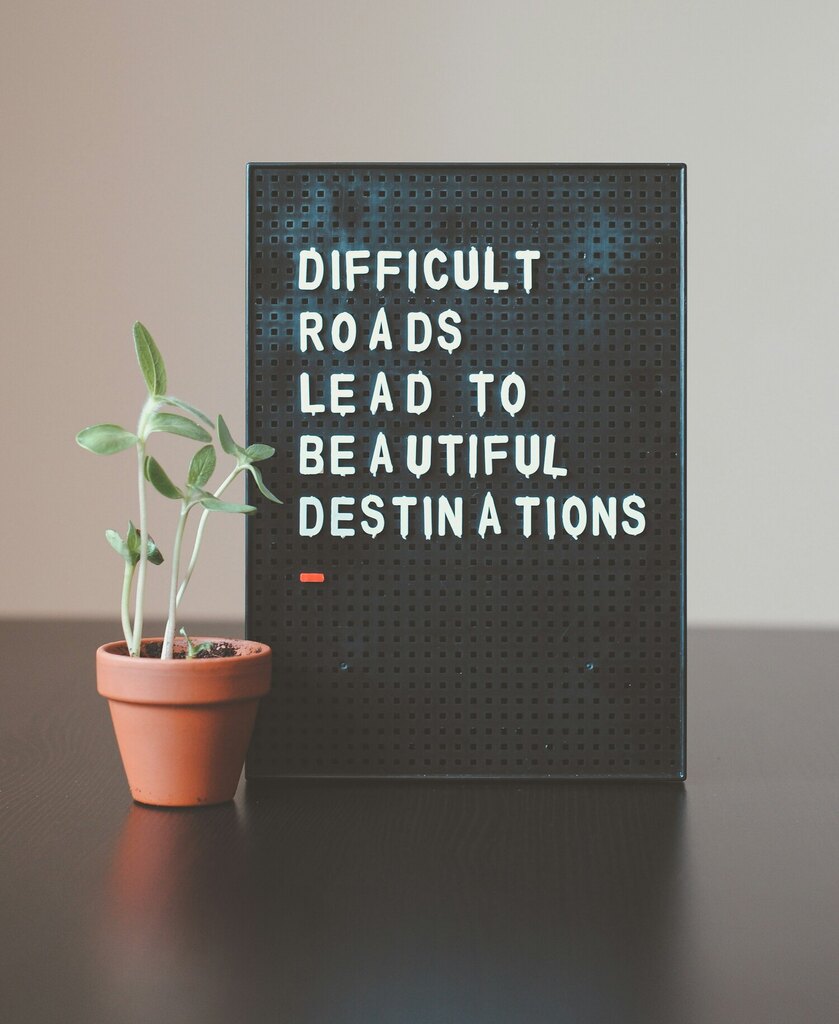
x: 183, y: 725
x: 174, y: 898
x: 165, y: 870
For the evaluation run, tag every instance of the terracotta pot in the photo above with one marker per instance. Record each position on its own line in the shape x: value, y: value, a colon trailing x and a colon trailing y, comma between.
x: 183, y: 725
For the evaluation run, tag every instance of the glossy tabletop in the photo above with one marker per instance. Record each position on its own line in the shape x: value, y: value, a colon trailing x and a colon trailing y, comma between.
x: 712, y: 901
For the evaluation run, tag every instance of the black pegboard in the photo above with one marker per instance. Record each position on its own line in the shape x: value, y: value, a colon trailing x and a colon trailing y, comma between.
x: 504, y: 656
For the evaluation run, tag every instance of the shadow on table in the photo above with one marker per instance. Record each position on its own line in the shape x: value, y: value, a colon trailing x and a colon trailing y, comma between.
x: 408, y: 902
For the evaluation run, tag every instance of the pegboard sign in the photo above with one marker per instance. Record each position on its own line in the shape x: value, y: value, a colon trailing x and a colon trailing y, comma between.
x: 474, y: 378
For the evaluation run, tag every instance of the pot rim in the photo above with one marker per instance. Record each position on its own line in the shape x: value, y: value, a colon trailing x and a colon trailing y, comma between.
x: 114, y: 649
x: 184, y: 681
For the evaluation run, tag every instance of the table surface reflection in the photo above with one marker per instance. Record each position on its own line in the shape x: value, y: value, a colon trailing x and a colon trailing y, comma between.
x: 429, y: 902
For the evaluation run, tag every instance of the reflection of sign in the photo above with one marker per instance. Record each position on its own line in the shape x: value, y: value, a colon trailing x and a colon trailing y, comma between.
x: 474, y: 378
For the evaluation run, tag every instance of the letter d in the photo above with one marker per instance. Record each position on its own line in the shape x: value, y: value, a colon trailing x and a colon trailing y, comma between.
x: 308, y: 256
x: 314, y: 504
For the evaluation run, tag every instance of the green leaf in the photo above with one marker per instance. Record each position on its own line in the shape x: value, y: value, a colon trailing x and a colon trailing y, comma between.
x: 130, y: 550
x: 118, y: 544
x: 202, y: 466
x: 106, y: 439
x: 154, y: 554
x: 172, y: 423
x: 226, y: 440
x: 216, y: 505
x: 156, y: 476
x: 132, y: 540
x: 150, y: 360
x: 193, y: 650
x: 178, y: 403
x: 258, y: 452
x: 260, y: 483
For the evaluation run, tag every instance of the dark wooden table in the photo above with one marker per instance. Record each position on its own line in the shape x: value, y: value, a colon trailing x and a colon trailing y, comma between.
x: 430, y: 902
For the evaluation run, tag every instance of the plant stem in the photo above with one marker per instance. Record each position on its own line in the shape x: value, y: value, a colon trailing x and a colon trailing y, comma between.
x: 199, y: 534
x: 169, y: 635
x: 144, y: 541
x: 139, y: 597
x: 127, y: 579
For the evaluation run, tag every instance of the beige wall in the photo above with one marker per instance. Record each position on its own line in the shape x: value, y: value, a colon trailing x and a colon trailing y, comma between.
x: 126, y: 129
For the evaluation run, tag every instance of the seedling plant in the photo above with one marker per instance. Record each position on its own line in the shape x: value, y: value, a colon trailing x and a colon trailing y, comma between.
x: 137, y: 547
